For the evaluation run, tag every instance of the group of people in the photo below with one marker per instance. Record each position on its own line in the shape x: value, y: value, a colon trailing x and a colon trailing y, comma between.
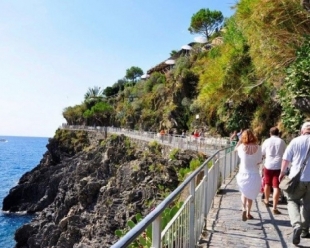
x: 277, y: 158
x: 198, y: 135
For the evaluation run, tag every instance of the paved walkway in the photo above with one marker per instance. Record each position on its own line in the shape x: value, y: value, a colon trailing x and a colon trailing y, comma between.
x: 226, y: 229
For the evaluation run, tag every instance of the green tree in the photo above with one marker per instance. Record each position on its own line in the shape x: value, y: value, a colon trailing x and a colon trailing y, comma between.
x: 110, y: 91
x: 98, y: 114
x: 173, y: 52
x: 120, y: 84
x: 74, y: 115
x: 115, y: 88
x: 206, y: 22
x: 94, y: 94
x: 133, y: 73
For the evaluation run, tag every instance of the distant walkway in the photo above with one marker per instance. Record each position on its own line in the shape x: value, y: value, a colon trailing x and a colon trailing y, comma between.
x: 207, y: 145
x: 226, y: 229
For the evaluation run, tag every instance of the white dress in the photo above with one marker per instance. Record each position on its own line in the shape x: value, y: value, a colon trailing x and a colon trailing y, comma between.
x: 248, y: 177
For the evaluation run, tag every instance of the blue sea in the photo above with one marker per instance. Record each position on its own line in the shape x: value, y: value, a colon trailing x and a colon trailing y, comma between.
x: 17, y: 156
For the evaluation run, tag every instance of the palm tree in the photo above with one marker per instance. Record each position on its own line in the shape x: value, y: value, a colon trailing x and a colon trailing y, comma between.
x: 94, y: 93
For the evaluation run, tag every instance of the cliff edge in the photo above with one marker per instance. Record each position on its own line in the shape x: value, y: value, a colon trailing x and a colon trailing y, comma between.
x: 85, y: 188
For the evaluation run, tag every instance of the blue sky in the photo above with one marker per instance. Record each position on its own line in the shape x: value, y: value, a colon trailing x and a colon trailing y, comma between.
x: 51, y: 52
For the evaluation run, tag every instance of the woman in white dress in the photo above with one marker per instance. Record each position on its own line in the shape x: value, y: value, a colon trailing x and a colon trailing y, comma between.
x: 248, y: 177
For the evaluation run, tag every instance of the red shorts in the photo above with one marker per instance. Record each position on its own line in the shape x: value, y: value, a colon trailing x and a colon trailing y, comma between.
x: 271, y: 177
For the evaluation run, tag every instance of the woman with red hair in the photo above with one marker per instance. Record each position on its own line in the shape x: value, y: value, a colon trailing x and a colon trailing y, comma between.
x: 248, y: 177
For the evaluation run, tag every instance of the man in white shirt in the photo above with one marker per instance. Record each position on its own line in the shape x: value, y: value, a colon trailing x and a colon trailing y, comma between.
x: 296, y: 153
x: 272, y: 149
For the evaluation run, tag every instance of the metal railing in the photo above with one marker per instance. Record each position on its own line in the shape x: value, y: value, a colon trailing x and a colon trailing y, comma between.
x: 186, y: 226
x: 175, y: 140
x: 208, y: 145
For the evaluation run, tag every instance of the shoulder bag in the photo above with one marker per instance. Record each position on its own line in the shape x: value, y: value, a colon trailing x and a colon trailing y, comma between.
x: 290, y: 184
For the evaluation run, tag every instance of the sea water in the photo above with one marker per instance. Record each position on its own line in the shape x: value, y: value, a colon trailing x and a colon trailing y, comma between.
x: 17, y: 156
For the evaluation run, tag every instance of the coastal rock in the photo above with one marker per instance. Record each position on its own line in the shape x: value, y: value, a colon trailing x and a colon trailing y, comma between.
x: 82, y: 195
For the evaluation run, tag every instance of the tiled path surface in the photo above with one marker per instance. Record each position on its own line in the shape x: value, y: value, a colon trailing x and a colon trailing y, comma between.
x: 226, y: 229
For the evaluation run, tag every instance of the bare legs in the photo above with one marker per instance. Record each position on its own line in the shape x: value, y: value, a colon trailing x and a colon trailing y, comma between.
x: 246, y: 206
x: 275, y: 196
x: 244, y: 202
x: 267, y: 193
x: 249, y: 208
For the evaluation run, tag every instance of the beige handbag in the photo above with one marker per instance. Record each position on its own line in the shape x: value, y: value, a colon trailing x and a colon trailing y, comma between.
x: 290, y: 184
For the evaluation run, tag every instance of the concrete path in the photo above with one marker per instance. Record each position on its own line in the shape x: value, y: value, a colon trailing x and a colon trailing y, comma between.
x: 226, y: 229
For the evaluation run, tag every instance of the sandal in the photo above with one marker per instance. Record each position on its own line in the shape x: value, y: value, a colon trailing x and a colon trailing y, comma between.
x: 276, y: 211
x: 244, y: 218
x: 267, y: 204
x: 250, y: 217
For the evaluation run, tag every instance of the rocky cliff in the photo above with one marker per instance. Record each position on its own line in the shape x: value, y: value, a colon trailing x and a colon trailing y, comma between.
x: 84, y: 189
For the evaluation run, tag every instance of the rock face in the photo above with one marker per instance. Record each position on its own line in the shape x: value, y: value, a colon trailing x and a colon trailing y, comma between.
x: 82, y: 191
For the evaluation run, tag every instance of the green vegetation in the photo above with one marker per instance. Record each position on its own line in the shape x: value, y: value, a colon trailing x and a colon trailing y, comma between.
x: 145, y: 240
x: 71, y: 142
x: 157, y: 168
x: 296, y: 86
x: 206, y: 22
x: 98, y: 113
x: 93, y: 94
x: 128, y: 143
x: 133, y: 73
x: 155, y: 147
x: 173, y: 153
x: 193, y: 165
x: 252, y: 73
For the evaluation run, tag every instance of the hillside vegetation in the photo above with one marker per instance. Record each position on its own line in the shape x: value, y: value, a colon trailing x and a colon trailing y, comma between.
x: 253, y: 73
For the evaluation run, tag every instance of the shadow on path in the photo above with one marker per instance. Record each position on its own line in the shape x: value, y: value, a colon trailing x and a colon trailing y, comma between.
x: 224, y: 227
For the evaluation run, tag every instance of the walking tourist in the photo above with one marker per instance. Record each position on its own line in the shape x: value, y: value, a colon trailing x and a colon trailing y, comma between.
x: 234, y: 138
x: 162, y: 134
x: 170, y: 135
x: 272, y: 150
x: 296, y: 153
x: 196, y: 136
x: 248, y: 177
x: 183, y: 135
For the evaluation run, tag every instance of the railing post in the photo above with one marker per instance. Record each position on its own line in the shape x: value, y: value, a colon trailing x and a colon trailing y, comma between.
x: 192, y: 214
x: 206, y: 191
x: 230, y: 163
x: 224, y: 176
x: 216, y: 180
x: 156, y: 233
